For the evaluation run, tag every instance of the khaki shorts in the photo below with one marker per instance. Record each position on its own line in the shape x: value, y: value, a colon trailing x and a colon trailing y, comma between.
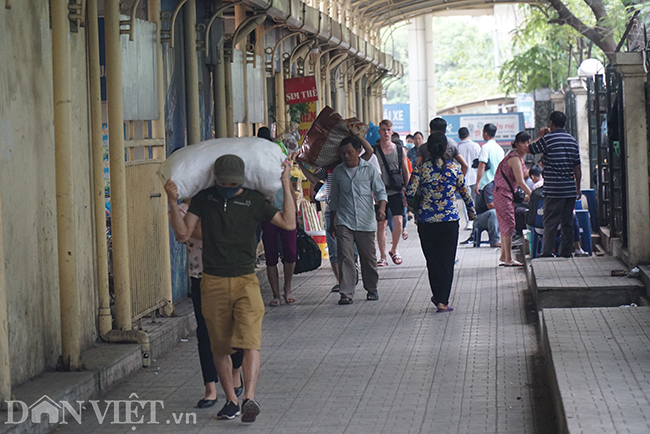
x: 233, y: 311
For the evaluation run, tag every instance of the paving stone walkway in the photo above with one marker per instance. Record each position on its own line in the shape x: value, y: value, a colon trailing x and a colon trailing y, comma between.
x: 391, y: 366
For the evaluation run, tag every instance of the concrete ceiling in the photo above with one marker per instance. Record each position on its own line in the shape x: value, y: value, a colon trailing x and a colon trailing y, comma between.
x: 381, y: 13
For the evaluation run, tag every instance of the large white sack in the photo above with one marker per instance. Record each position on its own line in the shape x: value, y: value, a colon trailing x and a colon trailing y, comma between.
x: 191, y: 167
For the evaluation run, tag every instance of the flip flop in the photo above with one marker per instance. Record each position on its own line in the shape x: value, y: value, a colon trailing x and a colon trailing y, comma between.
x: 514, y: 264
x: 275, y: 302
x: 405, y: 235
x: 397, y: 259
x: 289, y: 300
x: 447, y: 309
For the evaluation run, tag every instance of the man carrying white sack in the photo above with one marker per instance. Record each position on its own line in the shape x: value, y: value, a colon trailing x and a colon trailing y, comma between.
x: 231, y: 298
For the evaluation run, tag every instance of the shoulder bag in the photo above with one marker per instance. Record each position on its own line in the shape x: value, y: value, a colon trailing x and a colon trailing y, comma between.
x: 518, y: 195
x: 395, y: 177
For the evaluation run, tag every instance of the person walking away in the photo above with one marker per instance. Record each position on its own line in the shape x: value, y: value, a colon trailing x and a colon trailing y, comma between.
x: 562, y: 177
x: 489, y: 158
x: 436, y: 182
x: 470, y: 151
x: 439, y: 125
x: 395, y: 175
x: 231, y: 299
x: 326, y: 174
x: 271, y: 234
x: 353, y: 218
x: 208, y: 370
x: 509, y: 175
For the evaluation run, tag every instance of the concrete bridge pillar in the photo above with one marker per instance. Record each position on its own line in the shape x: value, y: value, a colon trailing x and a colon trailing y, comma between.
x: 630, y: 66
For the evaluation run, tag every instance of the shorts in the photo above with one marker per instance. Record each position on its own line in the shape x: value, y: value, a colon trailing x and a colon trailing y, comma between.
x: 395, y: 204
x: 233, y: 310
x: 289, y: 239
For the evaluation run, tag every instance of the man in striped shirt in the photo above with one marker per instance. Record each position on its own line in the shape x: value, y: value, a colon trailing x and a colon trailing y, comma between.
x: 562, y: 175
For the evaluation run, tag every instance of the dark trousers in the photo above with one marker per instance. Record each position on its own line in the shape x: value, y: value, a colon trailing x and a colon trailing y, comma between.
x: 558, y: 211
x: 208, y: 369
x: 439, y: 242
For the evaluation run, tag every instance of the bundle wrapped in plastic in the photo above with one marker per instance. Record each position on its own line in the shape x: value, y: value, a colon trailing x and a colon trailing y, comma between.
x: 321, y: 144
x: 191, y: 167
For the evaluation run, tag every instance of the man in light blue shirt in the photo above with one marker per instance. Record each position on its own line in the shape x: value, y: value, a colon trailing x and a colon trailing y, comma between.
x: 353, y: 218
x: 489, y: 158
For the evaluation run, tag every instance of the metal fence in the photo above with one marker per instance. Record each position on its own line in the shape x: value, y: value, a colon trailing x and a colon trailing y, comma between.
x: 607, y: 156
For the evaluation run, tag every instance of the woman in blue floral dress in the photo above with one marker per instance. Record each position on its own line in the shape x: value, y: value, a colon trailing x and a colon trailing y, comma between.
x: 436, y: 182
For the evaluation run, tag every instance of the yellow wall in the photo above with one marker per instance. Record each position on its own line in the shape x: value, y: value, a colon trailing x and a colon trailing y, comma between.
x: 27, y: 180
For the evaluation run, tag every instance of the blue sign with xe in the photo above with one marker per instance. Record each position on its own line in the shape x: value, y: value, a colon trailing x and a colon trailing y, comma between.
x: 400, y: 116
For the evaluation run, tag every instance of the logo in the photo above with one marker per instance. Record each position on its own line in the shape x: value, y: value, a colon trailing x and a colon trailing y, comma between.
x: 132, y: 411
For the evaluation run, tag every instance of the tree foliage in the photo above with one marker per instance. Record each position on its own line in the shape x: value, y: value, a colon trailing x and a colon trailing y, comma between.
x: 554, y: 38
x: 397, y: 46
x: 464, y: 62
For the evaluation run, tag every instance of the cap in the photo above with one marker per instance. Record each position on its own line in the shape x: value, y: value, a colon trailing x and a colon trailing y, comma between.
x: 229, y: 169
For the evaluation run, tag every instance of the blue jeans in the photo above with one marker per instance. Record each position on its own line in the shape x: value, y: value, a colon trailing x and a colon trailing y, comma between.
x: 488, y: 221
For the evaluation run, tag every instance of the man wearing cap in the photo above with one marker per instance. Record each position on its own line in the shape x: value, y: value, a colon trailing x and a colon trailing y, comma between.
x: 231, y: 299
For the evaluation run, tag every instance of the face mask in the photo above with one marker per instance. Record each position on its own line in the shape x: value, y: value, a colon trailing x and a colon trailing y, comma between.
x: 227, y: 192
x: 409, y: 145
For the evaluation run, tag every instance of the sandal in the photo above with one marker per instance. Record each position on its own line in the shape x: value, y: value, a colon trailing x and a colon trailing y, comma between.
x: 382, y: 263
x: 405, y: 235
x: 446, y: 309
x: 289, y: 299
x: 397, y: 259
x: 275, y: 302
x: 336, y: 288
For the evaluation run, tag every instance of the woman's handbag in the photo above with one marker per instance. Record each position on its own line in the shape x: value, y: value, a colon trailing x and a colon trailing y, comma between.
x: 518, y: 195
x: 413, y: 203
x: 308, y: 254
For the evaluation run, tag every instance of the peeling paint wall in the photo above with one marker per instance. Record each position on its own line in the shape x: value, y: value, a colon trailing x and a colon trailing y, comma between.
x: 27, y: 183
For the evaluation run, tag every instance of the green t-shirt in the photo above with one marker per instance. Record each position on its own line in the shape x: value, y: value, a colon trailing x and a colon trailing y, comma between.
x: 229, y: 230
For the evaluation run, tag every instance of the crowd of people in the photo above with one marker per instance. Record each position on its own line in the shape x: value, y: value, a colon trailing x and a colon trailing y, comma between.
x: 371, y: 188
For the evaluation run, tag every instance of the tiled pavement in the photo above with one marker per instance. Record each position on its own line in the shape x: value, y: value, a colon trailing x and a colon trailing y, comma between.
x: 601, y: 359
x: 392, y: 366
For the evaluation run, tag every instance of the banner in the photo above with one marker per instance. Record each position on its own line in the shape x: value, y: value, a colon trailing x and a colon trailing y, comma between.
x: 400, y: 116
x: 508, y: 125
x: 300, y: 89
x: 306, y: 119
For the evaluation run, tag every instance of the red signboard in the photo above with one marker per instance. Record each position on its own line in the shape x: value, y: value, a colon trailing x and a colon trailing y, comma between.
x: 300, y: 89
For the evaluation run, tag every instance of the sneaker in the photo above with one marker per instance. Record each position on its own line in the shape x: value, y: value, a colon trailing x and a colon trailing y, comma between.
x: 250, y: 409
x: 579, y: 253
x: 229, y: 411
x: 467, y: 241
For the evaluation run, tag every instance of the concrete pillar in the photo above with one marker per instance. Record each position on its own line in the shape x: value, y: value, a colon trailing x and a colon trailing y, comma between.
x: 418, y: 74
x: 557, y: 99
x: 630, y: 66
x: 430, y: 71
x: 191, y: 75
x: 5, y: 362
x: 579, y: 88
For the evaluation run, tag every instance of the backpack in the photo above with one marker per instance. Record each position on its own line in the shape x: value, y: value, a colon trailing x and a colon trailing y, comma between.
x: 308, y: 254
x: 395, y: 178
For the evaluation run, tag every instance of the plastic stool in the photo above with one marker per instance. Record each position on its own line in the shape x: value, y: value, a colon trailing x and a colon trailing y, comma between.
x: 590, y: 194
x: 585, y: 232
x: 476, y: 233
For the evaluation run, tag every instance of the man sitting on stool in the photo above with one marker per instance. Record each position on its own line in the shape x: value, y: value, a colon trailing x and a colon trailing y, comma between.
x: 486, y: 220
